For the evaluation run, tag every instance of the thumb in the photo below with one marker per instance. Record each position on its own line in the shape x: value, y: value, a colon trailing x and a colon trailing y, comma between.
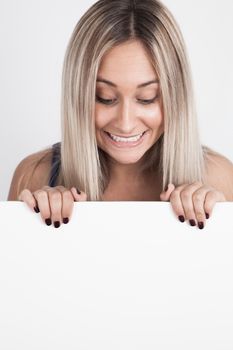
x: 165, y: 195
x: 78, y: 195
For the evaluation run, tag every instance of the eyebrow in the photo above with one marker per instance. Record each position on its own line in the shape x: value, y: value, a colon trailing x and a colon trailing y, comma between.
x: 100, y: 80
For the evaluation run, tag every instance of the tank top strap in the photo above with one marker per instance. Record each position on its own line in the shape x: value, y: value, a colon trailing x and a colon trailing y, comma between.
x: 55, y: 164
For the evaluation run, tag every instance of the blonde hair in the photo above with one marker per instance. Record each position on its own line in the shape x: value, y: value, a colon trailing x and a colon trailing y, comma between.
x: 178, y: 153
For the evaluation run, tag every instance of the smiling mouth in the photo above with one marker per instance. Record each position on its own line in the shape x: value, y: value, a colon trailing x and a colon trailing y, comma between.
x: 123, y: 141
x: 125, y: 137
x: 128, y: 136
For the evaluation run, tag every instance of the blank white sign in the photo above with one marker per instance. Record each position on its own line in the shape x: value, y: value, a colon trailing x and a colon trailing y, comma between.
x: 119, y: 276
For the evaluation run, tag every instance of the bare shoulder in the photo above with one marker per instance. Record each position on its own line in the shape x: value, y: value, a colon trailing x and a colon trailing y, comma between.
x: 32, y: 173
x: 219, y: 173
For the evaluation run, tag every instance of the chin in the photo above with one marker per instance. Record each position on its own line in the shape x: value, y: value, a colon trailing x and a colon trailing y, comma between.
x: 126, y: 160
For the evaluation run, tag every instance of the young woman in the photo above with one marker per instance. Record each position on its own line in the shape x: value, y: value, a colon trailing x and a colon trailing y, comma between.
x: 129, y: 127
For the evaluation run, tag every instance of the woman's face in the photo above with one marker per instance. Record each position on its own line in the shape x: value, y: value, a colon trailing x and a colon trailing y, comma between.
x: 126, y: 114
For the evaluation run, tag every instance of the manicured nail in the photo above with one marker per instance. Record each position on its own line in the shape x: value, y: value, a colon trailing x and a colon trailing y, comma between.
x: 37, y: 210
x: 56, y: 224
x: 192, y: 222
x: 78, y: 191
x: 201, y: 225
x: 207, y: 215
x: 65, y: 220
x: 48, y: 221
x: 181, y: 218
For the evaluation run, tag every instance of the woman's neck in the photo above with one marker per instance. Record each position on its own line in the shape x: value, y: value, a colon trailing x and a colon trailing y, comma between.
x: 133, y: 186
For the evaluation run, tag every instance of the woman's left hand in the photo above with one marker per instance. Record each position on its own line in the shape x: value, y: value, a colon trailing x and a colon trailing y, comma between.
x: 193, y: 202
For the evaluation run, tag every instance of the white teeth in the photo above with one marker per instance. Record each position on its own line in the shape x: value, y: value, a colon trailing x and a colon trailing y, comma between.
x: 125, y: 139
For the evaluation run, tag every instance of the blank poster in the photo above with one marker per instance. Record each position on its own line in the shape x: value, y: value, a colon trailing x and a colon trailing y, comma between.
x: 118, y: 276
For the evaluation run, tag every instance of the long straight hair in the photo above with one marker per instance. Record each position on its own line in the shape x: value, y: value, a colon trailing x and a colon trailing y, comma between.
x: 178, y: 154
x: 108, y: 23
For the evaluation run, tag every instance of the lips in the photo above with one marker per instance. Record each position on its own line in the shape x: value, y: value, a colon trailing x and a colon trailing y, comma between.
x: 124, y: 144
x: 125, y: 136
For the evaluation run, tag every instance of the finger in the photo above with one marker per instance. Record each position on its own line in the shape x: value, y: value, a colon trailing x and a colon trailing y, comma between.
x: 41, y: 196
x: 165, y: 195
x: 67, y: 204
x: 176, y: 203
x: 210, y: 200
x: 186, y: 196
x: 79, y: 196
x: 27, y: 197
x: 55, y: 202
x: 199, y: 197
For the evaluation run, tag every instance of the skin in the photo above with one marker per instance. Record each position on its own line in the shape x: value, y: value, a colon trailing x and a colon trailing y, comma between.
x: 127, y: 66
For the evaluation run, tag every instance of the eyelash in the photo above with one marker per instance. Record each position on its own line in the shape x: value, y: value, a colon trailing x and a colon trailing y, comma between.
x: 109, y: 102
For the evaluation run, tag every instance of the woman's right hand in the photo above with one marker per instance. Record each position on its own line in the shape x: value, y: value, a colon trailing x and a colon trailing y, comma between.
x: 54, y: 203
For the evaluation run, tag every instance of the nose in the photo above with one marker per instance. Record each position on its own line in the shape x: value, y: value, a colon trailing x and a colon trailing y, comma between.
x: 125, y: 119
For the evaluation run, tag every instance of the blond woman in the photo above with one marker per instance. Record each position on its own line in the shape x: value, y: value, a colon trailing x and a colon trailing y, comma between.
x: 129, y: 125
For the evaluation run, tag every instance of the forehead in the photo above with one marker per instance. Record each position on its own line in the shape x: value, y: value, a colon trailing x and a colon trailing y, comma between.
x: 127, y: 62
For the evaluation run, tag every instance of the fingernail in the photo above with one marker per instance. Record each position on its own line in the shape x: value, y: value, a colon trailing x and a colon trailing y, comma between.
x: 56, y: 224
x: 48, y: 221
x: 37, y: 210
x: 78, y: 191
x: 192, y: 222
x: 200, y: 225
x: 207, y: 215
x: 65, y: 220
x: 181, y: 218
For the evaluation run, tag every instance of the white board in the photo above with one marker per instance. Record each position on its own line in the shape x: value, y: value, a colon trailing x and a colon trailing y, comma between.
x: 120, y: 275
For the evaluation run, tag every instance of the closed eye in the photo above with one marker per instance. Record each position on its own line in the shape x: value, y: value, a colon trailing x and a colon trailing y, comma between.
x: 148, y: 101
x: 102, y: 100
x: 110, y: 102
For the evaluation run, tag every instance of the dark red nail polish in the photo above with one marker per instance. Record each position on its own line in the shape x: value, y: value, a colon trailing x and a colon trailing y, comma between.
x: 200, y: 225
x: 48, y: 221
x: 207, y: 215
x: 181, y: 218
x: 56, y: 224
x: 65, y: 220
x: 37, y: 210
x: 192, y: 222
x: 78, y: 191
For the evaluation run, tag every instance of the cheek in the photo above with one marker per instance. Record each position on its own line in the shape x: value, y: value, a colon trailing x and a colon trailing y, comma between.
x: 101, y: 116
x: 155, y: 118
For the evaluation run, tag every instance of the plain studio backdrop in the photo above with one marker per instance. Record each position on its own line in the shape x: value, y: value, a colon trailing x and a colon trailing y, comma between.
x: 34, y: 36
